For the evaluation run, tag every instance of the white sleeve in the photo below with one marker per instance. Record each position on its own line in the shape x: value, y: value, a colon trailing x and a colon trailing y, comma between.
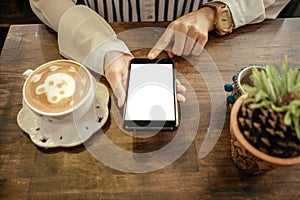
x: 83, y: 35
x: 254, y: 11
x: 50, y: 12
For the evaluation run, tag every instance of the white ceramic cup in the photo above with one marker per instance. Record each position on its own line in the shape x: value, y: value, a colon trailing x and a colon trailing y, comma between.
x: 76, y: 110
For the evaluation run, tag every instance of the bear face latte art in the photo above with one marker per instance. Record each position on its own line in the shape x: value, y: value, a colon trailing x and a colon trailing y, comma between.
x: 57, y: 87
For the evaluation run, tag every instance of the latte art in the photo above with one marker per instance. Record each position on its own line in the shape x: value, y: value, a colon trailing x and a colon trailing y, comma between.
x: 57, y: 87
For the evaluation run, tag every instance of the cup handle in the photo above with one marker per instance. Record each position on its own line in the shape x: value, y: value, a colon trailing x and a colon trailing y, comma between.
x: 27, y: 73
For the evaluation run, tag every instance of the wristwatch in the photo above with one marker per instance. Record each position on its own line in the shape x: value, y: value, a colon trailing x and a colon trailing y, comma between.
x: 223, y: 20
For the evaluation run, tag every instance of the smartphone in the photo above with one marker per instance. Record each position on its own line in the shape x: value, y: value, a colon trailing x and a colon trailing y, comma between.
x: 151, y: 101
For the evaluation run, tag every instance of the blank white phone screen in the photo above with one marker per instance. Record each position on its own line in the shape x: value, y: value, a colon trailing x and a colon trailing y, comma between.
x: 151, y: 93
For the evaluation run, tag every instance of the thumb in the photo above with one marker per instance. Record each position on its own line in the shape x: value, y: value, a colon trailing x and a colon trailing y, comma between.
x: 116, y: 82
x: 120, y: 94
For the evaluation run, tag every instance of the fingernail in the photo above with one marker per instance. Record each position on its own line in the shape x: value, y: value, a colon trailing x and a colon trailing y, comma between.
x: 152, y: 55
x: 181, y: 98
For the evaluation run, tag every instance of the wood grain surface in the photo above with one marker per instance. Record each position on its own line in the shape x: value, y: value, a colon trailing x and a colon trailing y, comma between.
x: 30, y: 172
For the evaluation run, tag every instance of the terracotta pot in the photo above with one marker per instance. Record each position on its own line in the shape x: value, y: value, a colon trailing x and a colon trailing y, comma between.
x: 246, y: 156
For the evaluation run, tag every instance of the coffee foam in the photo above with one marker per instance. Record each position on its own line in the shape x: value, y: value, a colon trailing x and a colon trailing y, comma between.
x: 57, y: 87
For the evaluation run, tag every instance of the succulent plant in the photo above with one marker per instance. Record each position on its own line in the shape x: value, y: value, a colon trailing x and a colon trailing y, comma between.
x: 270, y: 115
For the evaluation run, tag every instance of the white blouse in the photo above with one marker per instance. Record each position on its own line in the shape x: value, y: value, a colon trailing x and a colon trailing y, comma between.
x: 85, y: 36
x: 136, y: 10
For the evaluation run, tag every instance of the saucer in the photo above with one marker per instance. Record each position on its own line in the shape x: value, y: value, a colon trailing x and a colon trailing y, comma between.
x: 49, y: 135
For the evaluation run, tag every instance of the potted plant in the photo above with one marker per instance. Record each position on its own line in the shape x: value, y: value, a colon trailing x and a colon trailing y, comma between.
x: 265, y: 121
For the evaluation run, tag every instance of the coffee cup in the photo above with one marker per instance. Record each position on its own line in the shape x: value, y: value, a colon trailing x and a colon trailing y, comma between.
x: 59, y: 91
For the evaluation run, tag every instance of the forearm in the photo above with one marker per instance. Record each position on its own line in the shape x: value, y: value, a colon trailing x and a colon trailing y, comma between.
x: 254, y: 11
x: 50, y: 11
x: 83, y: 35
x: 87, y: 37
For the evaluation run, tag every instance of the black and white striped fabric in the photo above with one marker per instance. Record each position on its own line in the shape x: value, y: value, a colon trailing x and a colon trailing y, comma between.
x: 142, y: 10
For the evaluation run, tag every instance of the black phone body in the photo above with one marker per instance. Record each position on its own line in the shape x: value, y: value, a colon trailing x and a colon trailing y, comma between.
x: 151, y: 101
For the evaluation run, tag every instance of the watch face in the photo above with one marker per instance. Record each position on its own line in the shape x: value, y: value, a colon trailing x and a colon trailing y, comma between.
x: 225, y: 20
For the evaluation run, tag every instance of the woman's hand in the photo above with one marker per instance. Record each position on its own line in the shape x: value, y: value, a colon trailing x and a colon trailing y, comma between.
x: 116, y: 71
x: 186, y: 35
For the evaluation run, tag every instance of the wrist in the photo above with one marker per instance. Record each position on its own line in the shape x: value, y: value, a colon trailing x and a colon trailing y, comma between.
x: 205, y: 16
x: 209, y: 14
x: 110, y: 57
x: 114, y: 58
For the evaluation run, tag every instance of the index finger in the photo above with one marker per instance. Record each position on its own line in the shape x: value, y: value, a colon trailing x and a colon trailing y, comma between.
x: 161, y: 44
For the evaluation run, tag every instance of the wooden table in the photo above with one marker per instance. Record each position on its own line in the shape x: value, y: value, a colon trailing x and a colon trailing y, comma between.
x: 30, y: 172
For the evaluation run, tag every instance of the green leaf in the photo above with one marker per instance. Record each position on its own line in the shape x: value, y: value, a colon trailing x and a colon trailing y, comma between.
x: 278, y: 109
x: 249, y: 89
x: 287, y: 119
x: 297, y: 127
x: 284, y: 78
x: 271, y: 90
x: 265, y: 104
x: 297, y: 82
x: 274, y: 77
x: 256, y: 78
x: 291, y: 77
x: 261, y: 95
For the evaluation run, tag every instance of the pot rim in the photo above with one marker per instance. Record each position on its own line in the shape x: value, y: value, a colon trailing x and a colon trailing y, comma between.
x: 243, y: 141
